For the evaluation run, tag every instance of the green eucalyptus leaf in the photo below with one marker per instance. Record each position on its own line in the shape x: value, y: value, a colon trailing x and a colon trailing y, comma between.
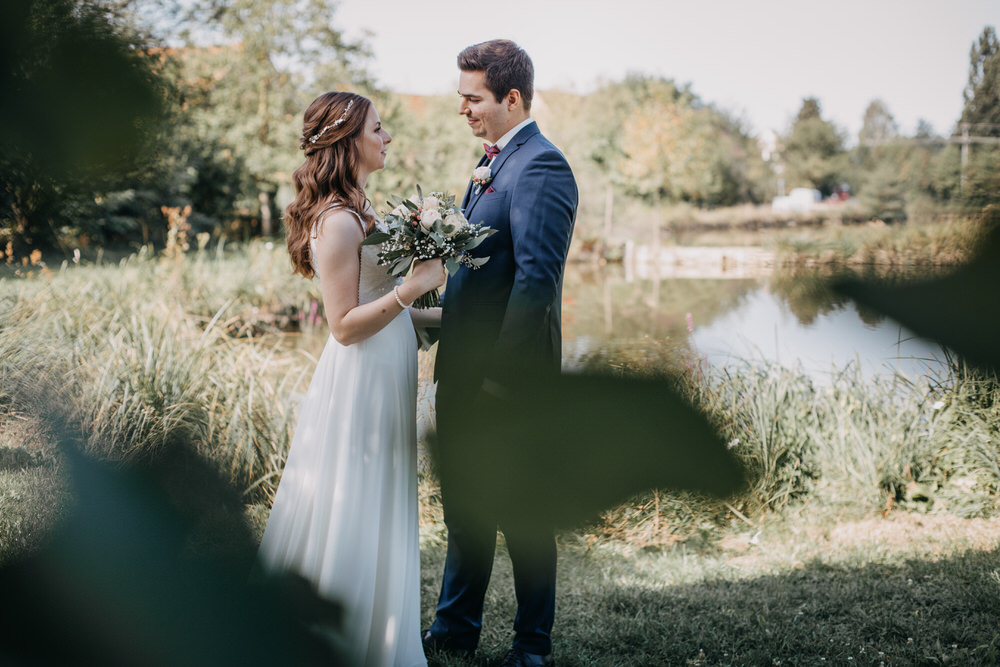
x: 401, y: 266
x: 375, y: 238
x: 475, y: 242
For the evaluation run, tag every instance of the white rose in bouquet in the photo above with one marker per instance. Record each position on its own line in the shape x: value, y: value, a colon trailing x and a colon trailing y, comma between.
x: 430, y: 203
x: 454, y: 223
x: 428, y: 218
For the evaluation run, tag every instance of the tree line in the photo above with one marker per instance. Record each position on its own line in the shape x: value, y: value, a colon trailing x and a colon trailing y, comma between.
x: 117, y: 114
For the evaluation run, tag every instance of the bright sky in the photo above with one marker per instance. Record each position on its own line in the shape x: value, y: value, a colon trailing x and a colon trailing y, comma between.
x: 758, y: 59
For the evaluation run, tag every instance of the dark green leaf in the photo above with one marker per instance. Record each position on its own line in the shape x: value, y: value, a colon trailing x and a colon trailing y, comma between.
x: 401, y: 266
x: 375, y: 238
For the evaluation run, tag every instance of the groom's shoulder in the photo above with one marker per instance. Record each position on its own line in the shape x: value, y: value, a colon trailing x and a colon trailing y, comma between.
x: 540, y: 144
x: 548, y: 154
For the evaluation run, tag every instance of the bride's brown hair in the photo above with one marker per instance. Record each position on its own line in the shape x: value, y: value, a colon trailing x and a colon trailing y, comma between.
x: 330, y: 129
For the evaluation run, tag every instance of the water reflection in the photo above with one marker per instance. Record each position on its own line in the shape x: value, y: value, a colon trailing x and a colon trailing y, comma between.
x: 791, y: 320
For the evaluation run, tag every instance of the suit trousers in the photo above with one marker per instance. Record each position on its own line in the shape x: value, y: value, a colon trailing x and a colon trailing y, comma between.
x: 473, y: 516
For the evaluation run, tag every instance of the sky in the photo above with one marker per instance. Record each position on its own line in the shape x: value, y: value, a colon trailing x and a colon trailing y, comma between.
x: 757, y: 60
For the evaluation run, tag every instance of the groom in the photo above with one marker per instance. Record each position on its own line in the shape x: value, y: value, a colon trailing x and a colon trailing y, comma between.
x: 500, y: 325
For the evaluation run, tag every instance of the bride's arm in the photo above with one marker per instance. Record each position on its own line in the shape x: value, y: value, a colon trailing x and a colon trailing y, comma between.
x: 337, y: 257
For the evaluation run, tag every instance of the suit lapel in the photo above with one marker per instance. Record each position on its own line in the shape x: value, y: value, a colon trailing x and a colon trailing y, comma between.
x: 471, y: 196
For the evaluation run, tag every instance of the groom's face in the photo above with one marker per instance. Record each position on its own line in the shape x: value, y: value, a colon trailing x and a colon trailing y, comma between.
x: 488, y: 118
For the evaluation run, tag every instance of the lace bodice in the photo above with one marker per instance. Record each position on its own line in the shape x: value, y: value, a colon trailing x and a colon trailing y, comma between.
x: 374, y: 280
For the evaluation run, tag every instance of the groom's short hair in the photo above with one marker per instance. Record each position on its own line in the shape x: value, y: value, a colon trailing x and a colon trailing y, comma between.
x: 506, y: 66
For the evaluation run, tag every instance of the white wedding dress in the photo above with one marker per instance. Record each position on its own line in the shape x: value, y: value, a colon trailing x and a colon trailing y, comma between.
x: 345, y: 513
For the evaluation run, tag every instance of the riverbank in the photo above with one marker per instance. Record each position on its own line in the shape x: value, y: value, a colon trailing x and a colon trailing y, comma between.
x: 858, y: 488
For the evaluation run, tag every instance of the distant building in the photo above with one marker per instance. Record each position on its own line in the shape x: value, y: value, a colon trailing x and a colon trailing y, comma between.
x: 799, y: 200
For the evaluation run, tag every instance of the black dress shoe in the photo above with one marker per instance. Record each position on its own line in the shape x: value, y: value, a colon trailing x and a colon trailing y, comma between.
x: 518, y: 658
x: 442, y: 646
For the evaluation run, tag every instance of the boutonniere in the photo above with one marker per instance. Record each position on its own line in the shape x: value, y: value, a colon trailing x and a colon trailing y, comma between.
x: 480, y: 177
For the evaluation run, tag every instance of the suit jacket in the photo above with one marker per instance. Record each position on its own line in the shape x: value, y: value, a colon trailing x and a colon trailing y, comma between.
x: 503, y: 319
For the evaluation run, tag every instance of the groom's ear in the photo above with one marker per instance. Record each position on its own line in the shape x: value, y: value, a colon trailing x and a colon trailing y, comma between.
x: 514, y: 99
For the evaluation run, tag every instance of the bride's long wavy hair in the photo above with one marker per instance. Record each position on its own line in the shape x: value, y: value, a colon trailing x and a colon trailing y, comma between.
x: 329, y: 174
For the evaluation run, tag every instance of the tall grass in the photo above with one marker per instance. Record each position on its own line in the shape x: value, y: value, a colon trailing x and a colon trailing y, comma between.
x: 161, y: 352
x: 155, y: 353
x: 852, y: 446
x: 923, y: 245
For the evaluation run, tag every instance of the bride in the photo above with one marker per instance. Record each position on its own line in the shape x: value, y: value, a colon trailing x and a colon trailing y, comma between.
x: 345, y: 513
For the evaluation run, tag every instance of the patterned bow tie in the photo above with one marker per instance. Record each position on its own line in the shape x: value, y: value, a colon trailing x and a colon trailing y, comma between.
x: 491, y: 151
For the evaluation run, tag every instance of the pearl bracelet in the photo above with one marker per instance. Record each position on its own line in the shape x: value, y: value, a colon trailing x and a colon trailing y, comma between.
x: 395, y: 293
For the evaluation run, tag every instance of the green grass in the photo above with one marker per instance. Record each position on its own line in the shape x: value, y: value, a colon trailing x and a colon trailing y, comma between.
x: 801, y: 592
x: 153, y: 353
x: 31, y: 501
x: 869, y: 534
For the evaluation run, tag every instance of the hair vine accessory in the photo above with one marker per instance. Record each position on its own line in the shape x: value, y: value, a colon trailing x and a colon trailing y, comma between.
x: 314, y: 138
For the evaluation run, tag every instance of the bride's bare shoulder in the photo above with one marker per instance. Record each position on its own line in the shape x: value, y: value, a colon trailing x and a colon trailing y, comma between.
x: 339, y: 224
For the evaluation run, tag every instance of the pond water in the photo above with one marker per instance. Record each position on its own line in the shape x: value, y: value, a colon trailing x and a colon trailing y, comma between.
x: 770, y: 317
x: 792, y: 321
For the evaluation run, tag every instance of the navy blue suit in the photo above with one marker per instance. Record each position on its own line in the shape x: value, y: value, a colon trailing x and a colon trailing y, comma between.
x: 501, y: 323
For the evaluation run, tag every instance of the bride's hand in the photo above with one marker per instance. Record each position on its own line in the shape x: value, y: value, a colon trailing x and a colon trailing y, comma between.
x: 428, y: 274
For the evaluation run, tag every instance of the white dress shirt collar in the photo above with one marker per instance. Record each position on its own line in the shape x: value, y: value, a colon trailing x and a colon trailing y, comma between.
x: 505, y: 139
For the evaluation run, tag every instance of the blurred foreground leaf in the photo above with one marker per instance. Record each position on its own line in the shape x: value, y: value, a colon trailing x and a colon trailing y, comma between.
x: 122, y: 581
x: 960, y: 310
x: 562, y: 449
x: 78, y: 97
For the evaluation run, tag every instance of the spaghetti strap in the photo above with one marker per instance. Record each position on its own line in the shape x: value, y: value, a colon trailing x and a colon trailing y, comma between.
x: 334, y: 207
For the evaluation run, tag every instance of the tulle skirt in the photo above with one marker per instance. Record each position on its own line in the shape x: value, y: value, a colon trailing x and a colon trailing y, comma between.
x: 345, y: 513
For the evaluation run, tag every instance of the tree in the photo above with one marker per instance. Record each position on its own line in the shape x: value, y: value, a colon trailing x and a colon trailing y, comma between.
x: 970, y: 174
x: 657, y: 145
x: 878, y: 127
x: 245, y: 89
x: 879, y: 164
x: 662, y: 144
x: 884, y: 193
x: 814, y: 151
x: 80, y: 104
x: 982, y: 92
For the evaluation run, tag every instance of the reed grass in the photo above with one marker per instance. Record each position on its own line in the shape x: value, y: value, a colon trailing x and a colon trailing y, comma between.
x: 924, y: 245
x: 850, y: 447
x: 160, y: 352
x: 155, y: 353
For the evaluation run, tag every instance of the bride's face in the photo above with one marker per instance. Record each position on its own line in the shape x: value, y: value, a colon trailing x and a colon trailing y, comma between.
x: 372, y: 144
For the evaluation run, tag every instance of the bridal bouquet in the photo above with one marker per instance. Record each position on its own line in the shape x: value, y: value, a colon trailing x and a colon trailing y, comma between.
x: 427, y: 228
